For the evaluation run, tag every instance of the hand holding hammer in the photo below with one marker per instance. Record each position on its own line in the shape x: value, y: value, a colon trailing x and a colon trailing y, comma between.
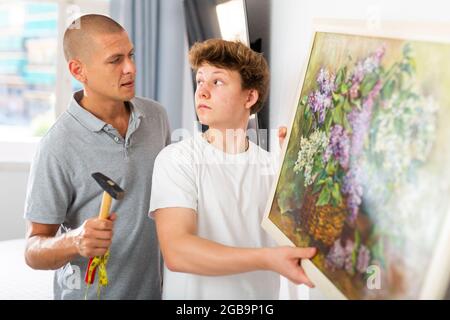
x: 111, y: 190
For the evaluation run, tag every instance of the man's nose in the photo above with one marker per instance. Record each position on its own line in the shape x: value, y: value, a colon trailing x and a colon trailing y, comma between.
x: 129, y: 66
x: 203, y: 91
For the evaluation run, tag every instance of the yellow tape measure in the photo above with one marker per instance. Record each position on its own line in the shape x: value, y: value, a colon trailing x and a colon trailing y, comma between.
x: 97, y: 263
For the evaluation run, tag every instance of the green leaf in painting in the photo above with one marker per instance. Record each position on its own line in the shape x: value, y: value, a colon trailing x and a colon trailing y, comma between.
x: 318, y: 166
x: 316, y: 188
x: 331, y: 169
x: 388, y: 89
x: 406, y: 67
x: 337, y: 116
x: 356, y: 103
x: 407, y: 50
x: 340, y: 77
x: 304, y: 100
x: 357, y: 238
x: 347, y: 125
x: 354, y: 259
x: 399, y: 77
x: 328, y: 121
x: 344, y: 88
x: 336, y: 98
x: 336, y: 193
x: 324, y: 197
x: 307, y: 111
x: 322, y: 175
x: 368, y: 83
x: 307, y: 123
x: 412, y: 63
x: 347, y: 106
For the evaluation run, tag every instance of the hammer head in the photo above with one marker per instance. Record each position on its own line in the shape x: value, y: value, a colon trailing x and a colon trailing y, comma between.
x: 109, y: 186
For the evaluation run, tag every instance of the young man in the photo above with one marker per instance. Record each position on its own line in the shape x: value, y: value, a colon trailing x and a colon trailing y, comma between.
x: 105, y: 129
x: 209, y: 192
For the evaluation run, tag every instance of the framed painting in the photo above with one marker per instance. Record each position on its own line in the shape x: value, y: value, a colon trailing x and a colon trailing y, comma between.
x: 365, y: 176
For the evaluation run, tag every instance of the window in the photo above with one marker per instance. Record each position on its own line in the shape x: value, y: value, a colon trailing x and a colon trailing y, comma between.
x: 35, y: 85
x: 233, y: 21
x: 27, y: 68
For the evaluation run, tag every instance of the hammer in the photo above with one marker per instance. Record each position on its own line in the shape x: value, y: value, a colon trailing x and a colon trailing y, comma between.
x: 110, y: 190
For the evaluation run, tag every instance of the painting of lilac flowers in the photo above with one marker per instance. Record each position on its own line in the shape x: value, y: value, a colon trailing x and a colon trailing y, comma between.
x: 366, y: 171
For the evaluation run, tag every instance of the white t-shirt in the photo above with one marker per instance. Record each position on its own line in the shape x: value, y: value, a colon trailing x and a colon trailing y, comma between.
x: 229, y: 194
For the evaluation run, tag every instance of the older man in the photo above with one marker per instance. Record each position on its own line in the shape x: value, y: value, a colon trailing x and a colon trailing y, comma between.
x: 106, y: 129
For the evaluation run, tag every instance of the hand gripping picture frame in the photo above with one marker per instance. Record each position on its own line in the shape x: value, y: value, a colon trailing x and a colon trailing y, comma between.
x: 365, y: 176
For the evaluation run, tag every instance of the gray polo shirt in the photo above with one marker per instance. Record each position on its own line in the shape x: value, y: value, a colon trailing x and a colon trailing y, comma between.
x: 62, y: 191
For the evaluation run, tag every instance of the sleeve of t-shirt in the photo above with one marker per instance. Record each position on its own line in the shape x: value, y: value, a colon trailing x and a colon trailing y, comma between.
x: 173, y: 181
x: 48, y: 191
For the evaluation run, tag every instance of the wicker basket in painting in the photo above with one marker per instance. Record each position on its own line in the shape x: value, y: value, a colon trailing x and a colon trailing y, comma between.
x: 322, y: 223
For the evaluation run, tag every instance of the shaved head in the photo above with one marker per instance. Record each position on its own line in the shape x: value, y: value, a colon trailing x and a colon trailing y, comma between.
x: 80, y: 35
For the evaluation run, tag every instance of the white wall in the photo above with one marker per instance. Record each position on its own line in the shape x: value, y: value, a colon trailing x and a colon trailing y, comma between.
x: 13, y: 181
x: 291, y: 28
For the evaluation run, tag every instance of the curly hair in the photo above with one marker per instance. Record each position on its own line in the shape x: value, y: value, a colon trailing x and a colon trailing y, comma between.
x: 236, y: 56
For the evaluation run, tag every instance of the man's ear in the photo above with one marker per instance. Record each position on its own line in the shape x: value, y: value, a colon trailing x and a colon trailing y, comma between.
x: 252, y: 98
x: 77, y: 70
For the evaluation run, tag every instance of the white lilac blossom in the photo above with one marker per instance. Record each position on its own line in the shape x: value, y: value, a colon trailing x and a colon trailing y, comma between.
x: 309, y: 148
x: 399, y: 149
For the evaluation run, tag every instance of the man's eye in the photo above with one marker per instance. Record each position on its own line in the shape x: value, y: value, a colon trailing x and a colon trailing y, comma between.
x: 199, y: 82
x: 115, y: 60
x: 218, y: 82
x: 132, y: 56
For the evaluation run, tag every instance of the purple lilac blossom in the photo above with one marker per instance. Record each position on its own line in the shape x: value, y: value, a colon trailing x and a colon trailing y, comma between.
x: 340, y: 257
x: 354, y: 191
x: 320, y: 100
x: 336, y: 256
x: 360, y: 123
x: 325, y: 80
x: 363, y: 259
x: 348, y: 265
x: 368, y: 102
x: 338, y: 146
x: 364, y: 67
x: 320, y: 103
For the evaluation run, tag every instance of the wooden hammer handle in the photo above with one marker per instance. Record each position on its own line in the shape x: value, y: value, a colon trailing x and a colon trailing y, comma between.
x: 105, y: 206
